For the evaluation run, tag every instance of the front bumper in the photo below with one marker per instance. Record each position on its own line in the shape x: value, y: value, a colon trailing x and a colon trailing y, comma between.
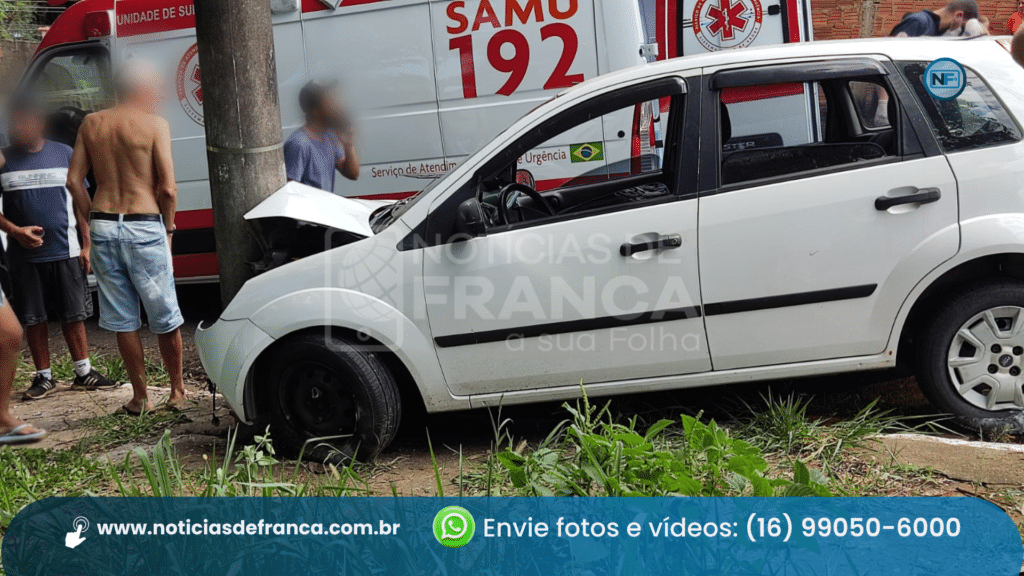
x: 228, y: 350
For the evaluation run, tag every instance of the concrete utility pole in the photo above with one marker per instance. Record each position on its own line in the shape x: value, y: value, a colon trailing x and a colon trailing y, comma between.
x: 243, y: 125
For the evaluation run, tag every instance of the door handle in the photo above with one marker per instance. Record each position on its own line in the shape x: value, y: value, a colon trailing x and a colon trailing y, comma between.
x: 922, y: 196
x: 655, y: 243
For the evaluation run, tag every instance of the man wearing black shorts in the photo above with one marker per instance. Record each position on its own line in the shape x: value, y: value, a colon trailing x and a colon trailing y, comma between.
x: 45, y: 235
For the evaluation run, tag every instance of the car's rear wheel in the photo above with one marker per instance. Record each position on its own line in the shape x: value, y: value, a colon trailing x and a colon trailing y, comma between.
x: 971, y: 358
x: 330, y: 399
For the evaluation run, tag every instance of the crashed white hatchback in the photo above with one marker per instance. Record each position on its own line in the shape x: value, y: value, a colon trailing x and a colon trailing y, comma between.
x: 799, y: 210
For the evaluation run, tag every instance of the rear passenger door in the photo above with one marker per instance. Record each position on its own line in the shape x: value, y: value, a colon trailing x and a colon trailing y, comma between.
x: 818, y: 214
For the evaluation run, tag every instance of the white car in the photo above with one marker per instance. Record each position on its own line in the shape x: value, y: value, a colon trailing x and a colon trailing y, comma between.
x: 875, y: 225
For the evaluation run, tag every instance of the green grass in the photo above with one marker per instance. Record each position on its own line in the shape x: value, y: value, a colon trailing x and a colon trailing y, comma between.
x: 778, y: 449
x: 595, y: 454
x: 781, y: 425
x: 32, y: 474
x: 115, y: 430
x: 252, y: 470
x: 28, y: 475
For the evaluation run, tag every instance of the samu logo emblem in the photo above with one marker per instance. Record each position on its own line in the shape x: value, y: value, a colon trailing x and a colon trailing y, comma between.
x: 724, y: 24
x: 190, y: 86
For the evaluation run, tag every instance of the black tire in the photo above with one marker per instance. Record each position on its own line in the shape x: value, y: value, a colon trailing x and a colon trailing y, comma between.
x: 318, y: 388
x: 936, y: 340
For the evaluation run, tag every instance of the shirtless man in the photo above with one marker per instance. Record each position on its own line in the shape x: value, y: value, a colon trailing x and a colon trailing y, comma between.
x: 128, y: 147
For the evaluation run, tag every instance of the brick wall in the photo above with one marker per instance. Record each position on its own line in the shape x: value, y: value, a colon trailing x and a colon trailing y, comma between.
x: 14, y: 56
x: 842, y: 19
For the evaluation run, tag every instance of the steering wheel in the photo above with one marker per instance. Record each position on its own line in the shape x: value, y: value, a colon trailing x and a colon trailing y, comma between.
x: 509, y: 195
x: 65, y: 122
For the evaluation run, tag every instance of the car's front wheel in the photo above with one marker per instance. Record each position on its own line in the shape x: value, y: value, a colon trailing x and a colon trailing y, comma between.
x: 971, y: 358
x: 330, y: 399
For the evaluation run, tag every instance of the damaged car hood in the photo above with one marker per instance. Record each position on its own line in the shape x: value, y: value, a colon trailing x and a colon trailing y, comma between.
x: 306, y: 204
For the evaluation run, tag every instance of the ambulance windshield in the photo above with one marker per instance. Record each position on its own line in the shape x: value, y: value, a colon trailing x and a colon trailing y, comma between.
x: 78, y: 79
x: 69, y: 85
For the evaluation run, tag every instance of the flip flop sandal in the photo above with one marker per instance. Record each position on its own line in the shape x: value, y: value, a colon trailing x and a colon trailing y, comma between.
x: 126, y: 411
x: 13, y: 437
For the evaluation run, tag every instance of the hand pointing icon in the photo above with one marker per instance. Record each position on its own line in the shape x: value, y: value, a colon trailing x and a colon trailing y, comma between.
x: 73, y: 539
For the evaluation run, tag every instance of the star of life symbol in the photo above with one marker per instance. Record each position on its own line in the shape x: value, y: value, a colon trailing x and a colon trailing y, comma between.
x: 189, y: 84
x: 197, y: 78
x: 723, y: 24
x: 727, y: 18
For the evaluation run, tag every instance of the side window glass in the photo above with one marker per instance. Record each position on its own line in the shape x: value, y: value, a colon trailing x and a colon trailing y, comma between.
x: 591, y: 163
x: 975, y: 119
x: 624, y: 143
x: 871, y: 101
x: 79, y: 80
x: 779, y: 130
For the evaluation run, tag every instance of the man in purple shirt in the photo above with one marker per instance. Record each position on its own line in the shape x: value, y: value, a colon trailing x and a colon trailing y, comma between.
x: 324, y: 144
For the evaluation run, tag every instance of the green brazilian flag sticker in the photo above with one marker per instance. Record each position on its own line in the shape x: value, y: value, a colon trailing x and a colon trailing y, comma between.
x: 589, y: 152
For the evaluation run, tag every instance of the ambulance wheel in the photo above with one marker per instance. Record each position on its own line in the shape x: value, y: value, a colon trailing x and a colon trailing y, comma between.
x: 330, y: 400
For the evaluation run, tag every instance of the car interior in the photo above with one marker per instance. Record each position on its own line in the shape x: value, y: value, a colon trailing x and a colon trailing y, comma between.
x: 855, y: 126
x: 511, y: 196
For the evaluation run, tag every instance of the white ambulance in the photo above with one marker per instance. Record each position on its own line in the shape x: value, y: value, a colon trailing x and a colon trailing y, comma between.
x: 430, y: 81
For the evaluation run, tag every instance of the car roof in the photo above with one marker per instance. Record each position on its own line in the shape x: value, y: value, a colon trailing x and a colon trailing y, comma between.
x: 969, y: 52
x: 965, y: 51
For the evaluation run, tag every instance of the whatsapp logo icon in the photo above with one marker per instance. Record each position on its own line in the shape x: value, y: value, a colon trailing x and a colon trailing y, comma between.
x: 454, y: 526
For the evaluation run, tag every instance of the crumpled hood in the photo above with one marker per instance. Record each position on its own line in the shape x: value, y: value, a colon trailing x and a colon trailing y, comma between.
x: 304, y: 203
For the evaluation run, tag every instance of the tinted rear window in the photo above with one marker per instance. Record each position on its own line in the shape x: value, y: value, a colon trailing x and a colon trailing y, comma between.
x: 975, y: 119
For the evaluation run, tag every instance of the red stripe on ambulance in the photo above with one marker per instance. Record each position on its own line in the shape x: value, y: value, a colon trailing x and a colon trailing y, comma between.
x: 196, y: 265
x: 192, y: 219
x: 793, y: 20
x: 70, y: 27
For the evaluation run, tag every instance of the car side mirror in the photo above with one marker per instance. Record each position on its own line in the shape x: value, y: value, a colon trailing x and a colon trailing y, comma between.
x: 470, y: 222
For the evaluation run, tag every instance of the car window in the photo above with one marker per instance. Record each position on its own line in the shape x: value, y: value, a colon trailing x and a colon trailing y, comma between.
x: 871, y: 101
x: 779, y: 130
x: 627, y: 142
x: 975, y: 119
x: 609, y: 161
x: 79, y: 80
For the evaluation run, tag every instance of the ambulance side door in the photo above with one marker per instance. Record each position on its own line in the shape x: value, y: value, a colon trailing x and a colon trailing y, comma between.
x: 498, y: 59
x: 382, y: 55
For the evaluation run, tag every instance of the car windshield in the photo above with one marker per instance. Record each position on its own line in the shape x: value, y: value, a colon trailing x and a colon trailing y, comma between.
x: 387, y: 216
x: 80, y: 80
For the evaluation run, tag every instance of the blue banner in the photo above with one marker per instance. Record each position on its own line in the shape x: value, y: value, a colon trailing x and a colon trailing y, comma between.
x: 513, y: 536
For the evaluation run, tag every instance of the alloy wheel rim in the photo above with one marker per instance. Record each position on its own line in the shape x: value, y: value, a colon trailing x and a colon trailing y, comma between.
x: 986, y: 359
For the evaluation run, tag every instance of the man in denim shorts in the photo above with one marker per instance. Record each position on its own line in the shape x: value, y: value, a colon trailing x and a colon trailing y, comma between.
x: 128, y: 147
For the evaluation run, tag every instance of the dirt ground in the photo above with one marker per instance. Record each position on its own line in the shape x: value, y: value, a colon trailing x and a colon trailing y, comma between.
x: 406, y: 467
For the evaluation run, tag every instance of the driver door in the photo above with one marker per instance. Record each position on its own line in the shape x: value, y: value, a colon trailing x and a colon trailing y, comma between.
x: 602, y: 286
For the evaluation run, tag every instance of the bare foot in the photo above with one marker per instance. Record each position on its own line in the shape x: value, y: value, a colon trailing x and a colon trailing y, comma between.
x: 178, y: 403
x: 136, y: 407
